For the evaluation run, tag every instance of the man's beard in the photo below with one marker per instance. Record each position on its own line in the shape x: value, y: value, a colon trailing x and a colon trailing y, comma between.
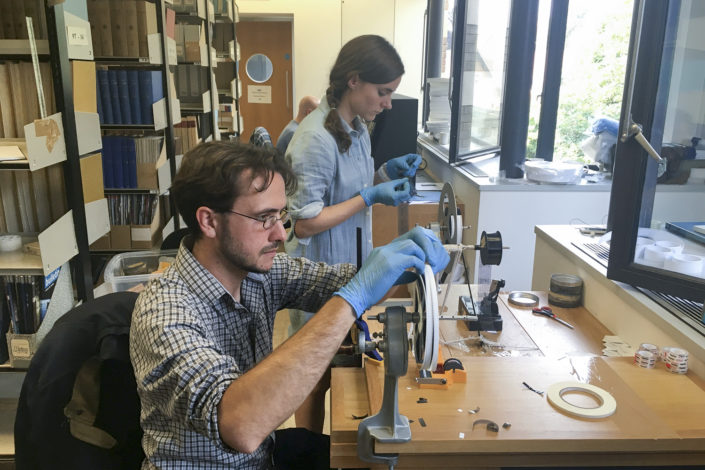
x: 233, y: 251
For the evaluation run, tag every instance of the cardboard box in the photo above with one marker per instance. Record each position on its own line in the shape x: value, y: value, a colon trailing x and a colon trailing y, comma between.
x: 145, y: 237
x: 103, y: 243
x: 120, y: 237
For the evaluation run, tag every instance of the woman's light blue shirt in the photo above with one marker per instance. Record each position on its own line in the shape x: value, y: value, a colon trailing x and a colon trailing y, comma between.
x: 328, y: 177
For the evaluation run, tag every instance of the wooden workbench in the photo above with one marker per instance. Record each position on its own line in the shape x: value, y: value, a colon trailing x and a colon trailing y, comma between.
x: 659, y: 418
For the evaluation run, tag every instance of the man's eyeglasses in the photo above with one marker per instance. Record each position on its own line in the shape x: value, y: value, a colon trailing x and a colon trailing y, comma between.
x: 268, y: 221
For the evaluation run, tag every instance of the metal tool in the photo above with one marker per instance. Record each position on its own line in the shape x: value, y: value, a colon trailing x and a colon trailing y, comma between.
x: 388, y: 426
x: 548, y: 312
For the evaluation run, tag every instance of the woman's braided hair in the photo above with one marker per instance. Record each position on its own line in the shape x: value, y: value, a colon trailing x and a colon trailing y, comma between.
x: 374, y: 60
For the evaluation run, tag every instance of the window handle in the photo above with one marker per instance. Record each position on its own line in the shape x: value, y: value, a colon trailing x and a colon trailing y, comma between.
x: 634, y: 131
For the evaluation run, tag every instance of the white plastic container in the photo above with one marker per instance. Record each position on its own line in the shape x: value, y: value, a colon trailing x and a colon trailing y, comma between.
x: 127, y: 270
x: 542, y: 171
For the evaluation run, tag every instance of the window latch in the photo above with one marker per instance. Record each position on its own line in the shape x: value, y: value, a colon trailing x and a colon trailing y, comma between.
x: 633, y: 130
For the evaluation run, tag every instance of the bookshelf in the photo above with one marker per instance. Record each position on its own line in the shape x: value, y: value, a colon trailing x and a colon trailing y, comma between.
x: 195, y: 79
x: 50, y: 204
x: 226, y: 71
x: 136, y: 60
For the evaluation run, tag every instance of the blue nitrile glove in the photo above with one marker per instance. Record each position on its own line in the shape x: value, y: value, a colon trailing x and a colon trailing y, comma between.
x: 405, y: 165
x: 436, y: 256
x: 390, y: 193
x: 379, y: 272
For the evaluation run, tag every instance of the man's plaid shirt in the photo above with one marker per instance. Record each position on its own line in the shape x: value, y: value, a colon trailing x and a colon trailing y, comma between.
x: 190, y: 339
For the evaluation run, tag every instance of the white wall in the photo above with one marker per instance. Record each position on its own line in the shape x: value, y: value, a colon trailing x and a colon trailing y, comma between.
x: 321, y: 26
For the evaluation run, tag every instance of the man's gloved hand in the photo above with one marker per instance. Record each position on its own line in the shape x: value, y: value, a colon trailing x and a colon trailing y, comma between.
x: 387, y: 264
x: 436, y: 256
x: 390, y: 193
x: 405, y: 165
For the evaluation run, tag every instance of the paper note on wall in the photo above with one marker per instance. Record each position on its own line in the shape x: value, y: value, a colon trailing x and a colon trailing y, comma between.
x: 259, y: 94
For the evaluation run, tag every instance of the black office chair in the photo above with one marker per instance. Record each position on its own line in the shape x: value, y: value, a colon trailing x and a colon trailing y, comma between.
x: 173, y: 240
x: 79, y: 407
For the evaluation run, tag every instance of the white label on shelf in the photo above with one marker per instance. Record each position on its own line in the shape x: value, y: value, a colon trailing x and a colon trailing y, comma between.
x: 171, y: 50
x: 89, y: 135
x: 97, y: 220
x: 259, y: 94
x: 204, y: 54
x: 45, y: 142
x: 20, y: 348
x: 154, y: 46
x: 159, y: 111
x: 141, y: 234
x: 57, y: 243
x: 77, y: 36
x: 206, y: 97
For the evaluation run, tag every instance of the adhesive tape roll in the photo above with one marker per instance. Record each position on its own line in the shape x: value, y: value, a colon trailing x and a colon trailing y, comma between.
x: 607, y: 403
x: 565, y: 290
x: 675, y: 247
x: 10, y: 242
x: 657, y: 254
x: 685, y: 264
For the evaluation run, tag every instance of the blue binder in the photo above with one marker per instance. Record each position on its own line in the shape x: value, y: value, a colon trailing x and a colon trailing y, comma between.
x: 130, y: 155
x: 104, y: 95
x: 114, y: 97
x: 151, y: 91
x: 133, y: 89
x: 117, y: 157
x: 107, y: 164
x: 124, y: 95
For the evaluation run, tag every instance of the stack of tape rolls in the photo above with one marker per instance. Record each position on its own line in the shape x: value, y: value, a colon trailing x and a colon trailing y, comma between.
x: 652, y: 348
x: 677, y: 361
x: 664, y: 352
x: 566, y: 290
x: 645, y: 359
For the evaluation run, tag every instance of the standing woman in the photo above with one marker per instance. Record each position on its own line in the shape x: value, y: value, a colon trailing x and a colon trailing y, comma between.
x: 331, y: 155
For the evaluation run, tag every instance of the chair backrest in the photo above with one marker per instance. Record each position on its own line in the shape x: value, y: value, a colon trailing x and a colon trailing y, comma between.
x: 260, y: 137
x: 173, y: 240
x: 79, y: 407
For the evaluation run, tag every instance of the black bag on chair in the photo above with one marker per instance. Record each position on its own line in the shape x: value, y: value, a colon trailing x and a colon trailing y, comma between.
x: 79, y: 408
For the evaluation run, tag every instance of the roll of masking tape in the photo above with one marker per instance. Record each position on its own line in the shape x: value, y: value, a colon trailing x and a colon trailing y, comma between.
x: 10, y: 242
x: 607, y: 404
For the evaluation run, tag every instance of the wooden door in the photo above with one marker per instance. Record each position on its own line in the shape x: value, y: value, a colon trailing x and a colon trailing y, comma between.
x: 269, y: 103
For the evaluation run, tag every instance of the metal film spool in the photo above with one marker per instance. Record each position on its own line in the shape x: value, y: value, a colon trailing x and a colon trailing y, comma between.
x: 451, y: 223
x: 426, y: 336
x: 432, y: 293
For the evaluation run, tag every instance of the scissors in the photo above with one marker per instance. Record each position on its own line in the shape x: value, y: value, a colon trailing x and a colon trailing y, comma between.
x: 548, y: 312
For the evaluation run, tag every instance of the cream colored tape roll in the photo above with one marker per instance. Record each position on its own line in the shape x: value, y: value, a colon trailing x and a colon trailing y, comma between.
x: 607, y: 407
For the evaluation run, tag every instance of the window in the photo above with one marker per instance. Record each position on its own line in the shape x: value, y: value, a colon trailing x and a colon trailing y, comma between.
x: 575, y: 74
x: 471, y: 72
x: 651, y: 247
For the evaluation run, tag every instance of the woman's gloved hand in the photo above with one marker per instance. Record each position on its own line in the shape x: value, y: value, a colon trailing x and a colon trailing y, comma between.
x: 405, y: 165
x: 390, y: 193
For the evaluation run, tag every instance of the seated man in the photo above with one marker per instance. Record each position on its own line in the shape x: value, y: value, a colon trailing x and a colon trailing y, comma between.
x: 212, y: 390
x: 306, y: 105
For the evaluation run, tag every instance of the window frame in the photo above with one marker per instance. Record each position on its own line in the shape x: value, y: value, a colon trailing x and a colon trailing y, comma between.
x: 634, y: 177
